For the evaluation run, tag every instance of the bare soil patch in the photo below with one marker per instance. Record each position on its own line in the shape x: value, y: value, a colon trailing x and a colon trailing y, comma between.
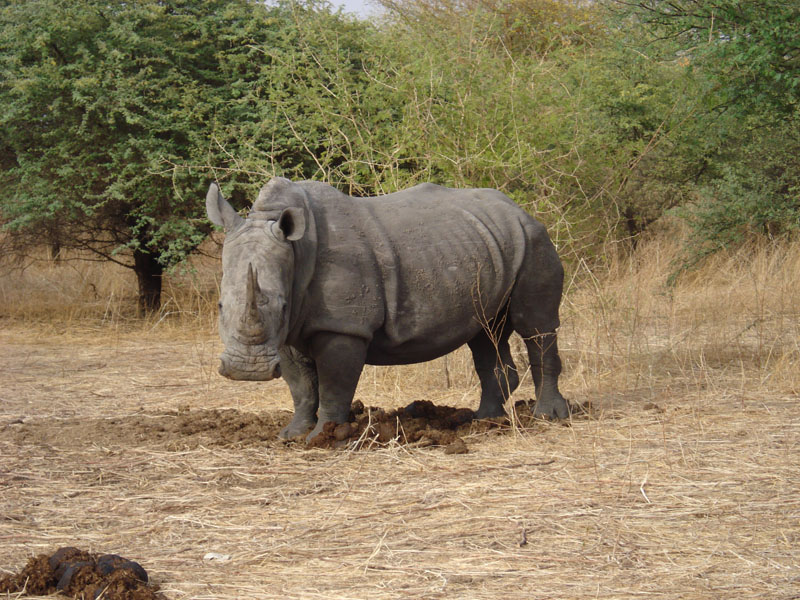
x: 182, y: 429
x: 420, y: 424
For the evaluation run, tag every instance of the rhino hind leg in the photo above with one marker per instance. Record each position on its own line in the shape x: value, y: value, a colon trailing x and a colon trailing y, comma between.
x: 545, y: 368
x: 300, y: 374
x: 533, y: 311
x: 496, y: 371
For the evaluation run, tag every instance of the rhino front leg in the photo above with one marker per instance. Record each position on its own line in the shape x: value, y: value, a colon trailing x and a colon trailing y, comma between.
x: 340, y: 360
x: 300, y: 374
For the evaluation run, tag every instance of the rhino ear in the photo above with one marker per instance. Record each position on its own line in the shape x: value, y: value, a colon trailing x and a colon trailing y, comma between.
x: 291, y: 225
x: 219, y: 211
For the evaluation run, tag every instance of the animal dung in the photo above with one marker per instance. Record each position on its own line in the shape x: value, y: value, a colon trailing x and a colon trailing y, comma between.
x: 81, y: 574
x: 421, y: 423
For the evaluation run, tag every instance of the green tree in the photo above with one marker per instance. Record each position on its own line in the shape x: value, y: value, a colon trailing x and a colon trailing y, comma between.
x: 117, y: 114
x: 643, y: 109
x: 750, y: 49
x: 755, y: 191
x: 745, y: 57
x: 97, y: 97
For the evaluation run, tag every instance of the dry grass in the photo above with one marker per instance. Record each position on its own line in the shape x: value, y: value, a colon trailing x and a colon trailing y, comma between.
x: 78, y: 292
x: 682, y: 484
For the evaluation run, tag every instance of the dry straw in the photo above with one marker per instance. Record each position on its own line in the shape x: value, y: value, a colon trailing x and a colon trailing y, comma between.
x: 682, y: 483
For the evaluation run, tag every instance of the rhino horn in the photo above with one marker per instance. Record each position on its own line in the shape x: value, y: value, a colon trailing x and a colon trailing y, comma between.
x: 251, y: 318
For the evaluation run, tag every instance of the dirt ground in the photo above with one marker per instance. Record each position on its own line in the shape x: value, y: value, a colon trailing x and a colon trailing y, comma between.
x: 131, y: 444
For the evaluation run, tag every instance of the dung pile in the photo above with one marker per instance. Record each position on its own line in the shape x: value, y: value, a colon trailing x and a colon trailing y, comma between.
x: 82, y: 574
x: 421, y: 423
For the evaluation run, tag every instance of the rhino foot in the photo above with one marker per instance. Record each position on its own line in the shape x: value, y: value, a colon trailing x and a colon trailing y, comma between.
x: 318, y: 428
x: 553, y: 407
x: 490, y: 412
x: 295, y: 429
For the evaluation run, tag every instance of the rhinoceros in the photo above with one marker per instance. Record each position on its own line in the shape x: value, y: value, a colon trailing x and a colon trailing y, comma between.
x: 316, y: 284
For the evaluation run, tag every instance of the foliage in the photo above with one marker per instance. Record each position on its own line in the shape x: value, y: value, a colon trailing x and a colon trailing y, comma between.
x: 97, y: 98
x: 116, y: 115
x: 744, y: 60
x: 316, y: 107
x: 757, y: 193
x: 515, y: 28
x: 643, y: 112
x: 749, y: 49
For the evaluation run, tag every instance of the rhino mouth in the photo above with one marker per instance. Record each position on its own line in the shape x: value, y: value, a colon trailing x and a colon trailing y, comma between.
x: 249, y: 368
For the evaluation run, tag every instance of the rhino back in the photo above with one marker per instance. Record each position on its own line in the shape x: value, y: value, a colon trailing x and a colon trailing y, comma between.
x: 417, y: 272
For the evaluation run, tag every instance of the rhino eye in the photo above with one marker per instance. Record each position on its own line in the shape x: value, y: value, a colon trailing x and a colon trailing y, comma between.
x: 219, y: 306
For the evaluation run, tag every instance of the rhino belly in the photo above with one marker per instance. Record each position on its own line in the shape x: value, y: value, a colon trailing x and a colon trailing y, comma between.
x: 423, y: 329
x: 431, y: 311
x: 383, y: 351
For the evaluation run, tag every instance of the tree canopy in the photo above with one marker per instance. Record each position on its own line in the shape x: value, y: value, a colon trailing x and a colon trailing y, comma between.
x: 746, y: 58
x: 116, y: 115
x: 600, y: 117
x: 751, y: 50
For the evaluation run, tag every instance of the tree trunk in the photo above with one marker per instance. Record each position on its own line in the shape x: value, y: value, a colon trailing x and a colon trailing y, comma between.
x: 634, y: 227
x: 148, y: 272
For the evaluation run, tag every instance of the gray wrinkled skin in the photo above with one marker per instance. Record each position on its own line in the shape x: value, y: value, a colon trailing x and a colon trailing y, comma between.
x: 316, y: 284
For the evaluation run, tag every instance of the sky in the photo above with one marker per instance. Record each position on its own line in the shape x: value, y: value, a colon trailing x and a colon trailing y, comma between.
x: 362, y: 8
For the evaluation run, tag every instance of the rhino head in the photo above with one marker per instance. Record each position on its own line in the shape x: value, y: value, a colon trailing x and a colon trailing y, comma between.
x: 257, y: 278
